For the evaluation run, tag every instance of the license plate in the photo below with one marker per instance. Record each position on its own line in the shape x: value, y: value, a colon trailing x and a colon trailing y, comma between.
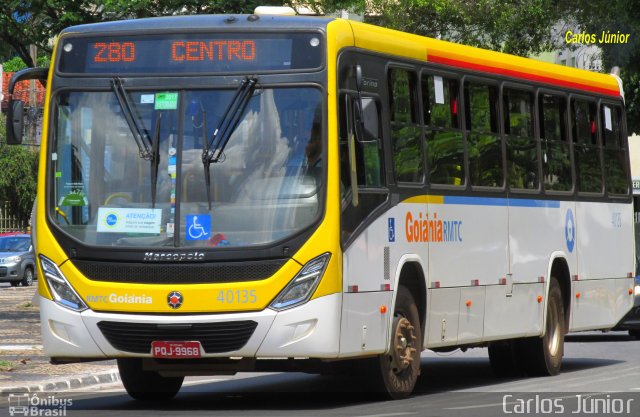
x: 175, y: 350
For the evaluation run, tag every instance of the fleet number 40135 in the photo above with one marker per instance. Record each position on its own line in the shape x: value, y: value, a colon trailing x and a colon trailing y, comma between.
x: 237, y: 296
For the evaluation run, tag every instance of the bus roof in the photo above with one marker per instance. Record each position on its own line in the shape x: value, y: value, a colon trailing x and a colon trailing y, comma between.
x: 202, y: 22
x: 386, y: 41
x: 481, y: 60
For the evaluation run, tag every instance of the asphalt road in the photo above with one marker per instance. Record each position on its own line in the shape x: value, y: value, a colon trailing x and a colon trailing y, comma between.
x: 601, y: 372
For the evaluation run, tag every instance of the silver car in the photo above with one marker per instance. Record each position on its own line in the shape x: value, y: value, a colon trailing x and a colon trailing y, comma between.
x: 17, y: 260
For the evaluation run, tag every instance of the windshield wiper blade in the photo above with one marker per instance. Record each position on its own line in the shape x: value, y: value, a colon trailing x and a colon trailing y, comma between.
x: 155, y: 159
x: 139, y: 135
x: 213, y: 148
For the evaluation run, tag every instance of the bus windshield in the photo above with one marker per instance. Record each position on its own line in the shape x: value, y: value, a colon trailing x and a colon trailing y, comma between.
x: 265, y: 187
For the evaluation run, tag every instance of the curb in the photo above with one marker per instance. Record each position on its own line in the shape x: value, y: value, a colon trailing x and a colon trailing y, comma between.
x: 72, y: 383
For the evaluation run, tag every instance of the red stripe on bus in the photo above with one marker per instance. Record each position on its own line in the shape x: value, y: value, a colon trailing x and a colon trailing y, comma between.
x: 517, y: 74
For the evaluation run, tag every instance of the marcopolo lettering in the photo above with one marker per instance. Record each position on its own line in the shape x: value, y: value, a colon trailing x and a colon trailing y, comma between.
x: 172, y: 256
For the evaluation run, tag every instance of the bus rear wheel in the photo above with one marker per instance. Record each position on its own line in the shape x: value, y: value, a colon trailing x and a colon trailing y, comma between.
x: 147, y: 385
x: 398, y: 370
x: 544, y: 354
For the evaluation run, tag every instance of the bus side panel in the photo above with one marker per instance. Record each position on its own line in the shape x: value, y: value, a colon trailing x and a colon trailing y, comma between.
x: 476, y: 252
x: 536, y: 231
x: 443, y: 315
x: 515, y: 315
x: 364, y: 326
x: 594, y: 304
x: 605, y: 242
x: 604, y: 245
x: 476, y: 255
x: 370, y: 264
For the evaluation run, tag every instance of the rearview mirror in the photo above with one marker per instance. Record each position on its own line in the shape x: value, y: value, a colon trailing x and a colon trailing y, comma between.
x: 15, y: 122
x: 15, y: 112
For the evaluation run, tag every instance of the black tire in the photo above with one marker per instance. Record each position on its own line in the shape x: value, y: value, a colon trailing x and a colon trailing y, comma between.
x: 504, y: 359
x: 394, y: 374
x: 542, y: 356
x: 27, y: 280
x: 635, y: 333
x: 147, y: 385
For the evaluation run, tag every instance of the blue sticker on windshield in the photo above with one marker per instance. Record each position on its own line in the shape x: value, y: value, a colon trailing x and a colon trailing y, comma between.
x: 198, y: 226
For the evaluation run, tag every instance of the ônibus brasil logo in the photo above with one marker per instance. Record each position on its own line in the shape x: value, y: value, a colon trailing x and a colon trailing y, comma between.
x: 174, y: 299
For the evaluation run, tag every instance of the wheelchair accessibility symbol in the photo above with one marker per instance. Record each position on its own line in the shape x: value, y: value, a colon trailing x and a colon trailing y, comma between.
x: 198, y: 226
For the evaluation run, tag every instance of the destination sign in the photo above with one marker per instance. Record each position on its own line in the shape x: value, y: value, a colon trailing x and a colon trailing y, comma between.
x: 193, y: 53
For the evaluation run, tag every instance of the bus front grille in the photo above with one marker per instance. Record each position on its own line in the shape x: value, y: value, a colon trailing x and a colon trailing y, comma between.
x: 214, y: 337
x: 179, y: 273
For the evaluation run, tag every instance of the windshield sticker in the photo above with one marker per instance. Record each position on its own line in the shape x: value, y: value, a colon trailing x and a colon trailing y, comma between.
x: 198, y: 226
x: 129, y: 220
x: 75, y: 195
x: 166, y: 101
x: 170, y: 229
x: 74, y: 199
x: 147, y: 99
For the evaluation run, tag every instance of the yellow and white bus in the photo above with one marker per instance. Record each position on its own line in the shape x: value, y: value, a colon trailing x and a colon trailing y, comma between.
x: 266, y: 193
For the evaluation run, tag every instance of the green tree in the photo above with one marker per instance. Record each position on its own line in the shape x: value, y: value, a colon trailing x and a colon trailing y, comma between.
x: 18, y: 176
x: 37, y: 22
x: 597, y: 16
x: 518, y: 27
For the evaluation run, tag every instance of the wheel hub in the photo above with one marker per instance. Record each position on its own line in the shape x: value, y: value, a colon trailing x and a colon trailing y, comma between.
x: 403, y: 345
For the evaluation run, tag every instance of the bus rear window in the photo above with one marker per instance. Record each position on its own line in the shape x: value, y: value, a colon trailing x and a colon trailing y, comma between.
x: 190, y: 53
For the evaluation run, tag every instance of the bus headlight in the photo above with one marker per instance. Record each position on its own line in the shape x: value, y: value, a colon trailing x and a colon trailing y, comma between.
x: 61, y: 290
x: 302, y: 286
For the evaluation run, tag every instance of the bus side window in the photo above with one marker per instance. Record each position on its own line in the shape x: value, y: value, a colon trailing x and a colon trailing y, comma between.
x: 368, y: 154
x: 368, y: 166
x: 484, y: 144
x: 556, y: 160
x: 586, y: 148
x: 522, y: 147
x: 443, y: 137
x: 614, y: 148
x: 405, y: 129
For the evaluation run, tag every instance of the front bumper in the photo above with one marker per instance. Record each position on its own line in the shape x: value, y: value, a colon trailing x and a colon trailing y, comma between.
x: 311, y: 330
x: 11, y: 272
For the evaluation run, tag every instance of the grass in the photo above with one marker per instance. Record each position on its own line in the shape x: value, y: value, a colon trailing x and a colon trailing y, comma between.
x: 5, y: 366
x: 26, y: 304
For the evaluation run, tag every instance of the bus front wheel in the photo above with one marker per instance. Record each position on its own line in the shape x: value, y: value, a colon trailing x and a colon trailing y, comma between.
x: 544, y: 354
x: 398, y: 370
x: 147, y: 385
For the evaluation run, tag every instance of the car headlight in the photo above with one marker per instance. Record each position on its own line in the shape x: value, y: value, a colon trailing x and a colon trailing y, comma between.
x: 13, y: 260
x: 302, y: 286
x: 63, y: 293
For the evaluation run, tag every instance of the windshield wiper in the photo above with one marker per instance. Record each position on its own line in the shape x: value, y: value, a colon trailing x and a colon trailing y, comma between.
x: 155, y: 159
x: 213, y: 148
x: 139, y: 135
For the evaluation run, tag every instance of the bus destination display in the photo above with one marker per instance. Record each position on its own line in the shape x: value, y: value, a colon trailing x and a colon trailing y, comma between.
x: 194, y: 53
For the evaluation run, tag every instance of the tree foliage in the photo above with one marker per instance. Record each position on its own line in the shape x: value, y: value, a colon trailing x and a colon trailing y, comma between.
x: 18, y: 176
x: 23, y: 23
x: 519, y: 27
x: 597, y: 16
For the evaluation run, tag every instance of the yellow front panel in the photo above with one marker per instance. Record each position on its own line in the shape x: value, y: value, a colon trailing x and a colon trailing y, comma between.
x: 223, y: 297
